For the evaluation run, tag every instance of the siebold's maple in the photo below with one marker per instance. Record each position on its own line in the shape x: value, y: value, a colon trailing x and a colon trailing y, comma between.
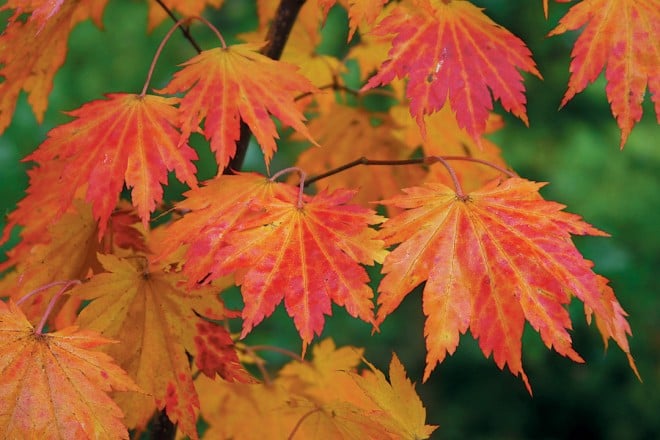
x: 489, y: 251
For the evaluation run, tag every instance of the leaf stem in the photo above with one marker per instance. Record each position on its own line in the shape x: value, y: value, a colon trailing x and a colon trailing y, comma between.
x: 301, y: 420
x: 452, y: 173
x: 179, y: 24
x: 301, y: 184
x: 283, y: 351
x: 364, y: 161
x: 41, y: 289
x: 165, y: 39
x: 52, y: 302
x: 429, y: 160
x: 184, y: 30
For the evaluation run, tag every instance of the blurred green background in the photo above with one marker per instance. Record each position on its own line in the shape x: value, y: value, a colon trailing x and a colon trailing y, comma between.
x: 576, y: 149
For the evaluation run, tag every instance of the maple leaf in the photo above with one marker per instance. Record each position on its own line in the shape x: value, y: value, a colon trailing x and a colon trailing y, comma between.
x: 346, y: 134
x: 216, y: 353
x: 31, y: 52
x: 227, y: 85
x: 620, y: 36
x: 325, y: 395
x: 451, y: 52
x: 126, y: 138
x: 397, y: 399
x: 491, y: 260
x: 214, y: 210
x: 309, y: 256
x: 70, y: 254
x: 53, y: 385
x: 359, y: 11
x: 155, y: 320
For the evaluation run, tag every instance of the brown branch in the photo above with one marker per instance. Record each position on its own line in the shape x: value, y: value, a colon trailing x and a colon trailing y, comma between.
x: 420, y: 161
x: 278, y: 34
x: 184, y: 30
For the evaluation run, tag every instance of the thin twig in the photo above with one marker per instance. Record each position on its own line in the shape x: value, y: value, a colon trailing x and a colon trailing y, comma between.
x: 301, y: 183
x: 185, y: 31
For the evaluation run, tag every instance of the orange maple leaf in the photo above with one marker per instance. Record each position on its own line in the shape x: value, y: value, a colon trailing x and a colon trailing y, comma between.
x: 227, y: 85
x: 359, y: 11
x: 309, y: 256
x: 31, y: 52
x: 145, y: 309
x: 53, y: 385
x: 499, y: 257
x: 451, y: 52
x: 214, y: 210
x: 69, y: 253
x: 622, y: 37
x: 216, y: 353
x: 126, y: 138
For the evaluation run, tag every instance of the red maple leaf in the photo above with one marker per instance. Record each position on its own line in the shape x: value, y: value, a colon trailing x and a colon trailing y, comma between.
x: 227, y: 85
x: 451, y: 52
x: 125, y: 139
x: 622, y: 37
x: 309, y: 256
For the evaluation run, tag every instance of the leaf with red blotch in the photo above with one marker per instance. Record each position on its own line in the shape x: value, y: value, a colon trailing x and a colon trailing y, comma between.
x: 31, y: 52
x: 227, y: 85
x: 126, y: 138
x: 491, y: 260
x: 54, y: 385
x: 145, y: 308
x: 309, y: 255
x: 620, y: 36
x: 216, y: 353
x: 452, y: 53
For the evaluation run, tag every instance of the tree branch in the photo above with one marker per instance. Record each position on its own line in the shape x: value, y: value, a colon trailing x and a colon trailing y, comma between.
x: 278, y: 34
x: 184, y: 30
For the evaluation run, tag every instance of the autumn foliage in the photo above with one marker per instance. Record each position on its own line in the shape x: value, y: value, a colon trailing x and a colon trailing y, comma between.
x: 114, y: 313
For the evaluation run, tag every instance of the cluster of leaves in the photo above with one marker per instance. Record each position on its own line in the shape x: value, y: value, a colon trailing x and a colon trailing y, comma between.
x: 95, y: 268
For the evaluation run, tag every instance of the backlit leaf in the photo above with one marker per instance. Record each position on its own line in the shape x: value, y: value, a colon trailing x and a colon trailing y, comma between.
x: 308, y: 255
x: 145, y: 309
x: 622, y: 37
x: 54, y: 385
x: 32, y: 52
x: 226, y: 85
x: 491, y: 261
x: 452, y: 53
x: 125, y: 139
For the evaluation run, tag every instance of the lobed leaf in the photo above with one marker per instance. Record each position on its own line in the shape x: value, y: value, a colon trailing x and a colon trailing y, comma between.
x: 451, y: 53
x: 491, y: 261
x: 54, y: 385
x: 227, y: 85
x: 620, y: 36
